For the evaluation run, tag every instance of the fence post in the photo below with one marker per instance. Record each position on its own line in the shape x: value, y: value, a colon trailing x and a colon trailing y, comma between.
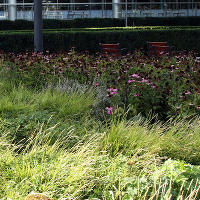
x: 12, y: 10
x: 38, y: 25
x: 116, y: 8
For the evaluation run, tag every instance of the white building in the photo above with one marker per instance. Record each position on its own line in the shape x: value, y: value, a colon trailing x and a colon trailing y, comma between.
x: 70, y: 9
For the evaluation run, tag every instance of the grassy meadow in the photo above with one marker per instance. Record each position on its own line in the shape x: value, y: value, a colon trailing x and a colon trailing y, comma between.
x: 75, y: 126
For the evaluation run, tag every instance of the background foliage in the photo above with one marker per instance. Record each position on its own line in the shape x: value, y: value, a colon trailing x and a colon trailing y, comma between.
x: 101, y: 22
x: 89, y: 39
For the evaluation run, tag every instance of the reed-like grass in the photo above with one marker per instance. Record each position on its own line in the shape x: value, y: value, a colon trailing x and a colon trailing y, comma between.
x: 177, y: 139
x: 85, y: 172
x: 50, y: 143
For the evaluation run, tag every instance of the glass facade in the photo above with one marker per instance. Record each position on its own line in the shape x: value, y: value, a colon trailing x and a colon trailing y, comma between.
x: 69, y: 9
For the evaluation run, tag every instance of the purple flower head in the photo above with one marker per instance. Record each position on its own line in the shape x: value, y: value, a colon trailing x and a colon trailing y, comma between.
x: 111, y: 91
x: 135, y: 75
x: 144, y: 81
x: 109, y: 110
x: 131, y: 81
x: 96, y: 84
x: 182, y: 97
x: 136, y: 95
x: 188, y: 93
x: 149, y: 83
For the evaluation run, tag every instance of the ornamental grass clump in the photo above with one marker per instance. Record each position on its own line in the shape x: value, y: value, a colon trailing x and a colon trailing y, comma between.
x: 93, y: 168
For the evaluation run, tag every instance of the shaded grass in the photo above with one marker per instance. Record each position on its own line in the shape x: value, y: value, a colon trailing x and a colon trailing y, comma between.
x: 23, y: 110
x: 63, y: 104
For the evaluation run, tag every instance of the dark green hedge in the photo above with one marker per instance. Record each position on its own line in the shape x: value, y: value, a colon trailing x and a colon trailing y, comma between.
x: 164, y: 21
x: 58, y: 24
x: 183, y: 39
x: 99, y: 22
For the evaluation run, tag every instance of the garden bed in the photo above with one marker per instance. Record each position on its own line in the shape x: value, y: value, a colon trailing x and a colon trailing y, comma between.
x: 82, y: 126
x: 166, y: 86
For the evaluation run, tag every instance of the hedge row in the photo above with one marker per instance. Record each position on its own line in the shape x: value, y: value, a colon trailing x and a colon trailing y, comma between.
x: 58, y: 24
x: 98, y: 22
x: 187, y: 39
x: 164, y: 21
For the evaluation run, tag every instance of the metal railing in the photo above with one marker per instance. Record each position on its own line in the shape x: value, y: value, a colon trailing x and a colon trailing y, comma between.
x: 103, y: 10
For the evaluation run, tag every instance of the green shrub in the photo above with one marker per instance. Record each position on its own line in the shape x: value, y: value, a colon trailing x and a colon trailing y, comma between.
x: 89, y: 40
x: 99, y: 22
x: 62, y: 24
x: 164, y: 21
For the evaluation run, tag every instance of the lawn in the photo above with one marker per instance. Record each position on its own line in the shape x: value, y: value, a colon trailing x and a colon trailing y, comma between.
x: 80, y: 126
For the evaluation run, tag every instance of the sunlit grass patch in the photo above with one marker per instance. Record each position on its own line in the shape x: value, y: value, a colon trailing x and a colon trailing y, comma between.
x: 84, y: 172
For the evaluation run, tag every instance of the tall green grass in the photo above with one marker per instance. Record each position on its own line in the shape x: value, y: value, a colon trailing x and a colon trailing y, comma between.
x: 50, y: 143
x: 177, y: 139
x: 22, y: 110
x: 85, y: 172
x: 63, y: 104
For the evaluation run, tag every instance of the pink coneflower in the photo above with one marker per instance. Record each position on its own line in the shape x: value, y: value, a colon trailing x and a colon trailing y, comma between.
x: 112, y: 90
x: 188, y: 93
x: 143, y: 81
x: 136, y: 95
x: 112, y: 93
x: 135, y: 75
x: 153, y: 86
x: 109, y: 110
x: 198, y: 107
x: 109, y: 90
x: 191, y: 104
x: 149, y: 83
x: 182, y: 97
x: 96, y: 84
x: 131, y: 81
